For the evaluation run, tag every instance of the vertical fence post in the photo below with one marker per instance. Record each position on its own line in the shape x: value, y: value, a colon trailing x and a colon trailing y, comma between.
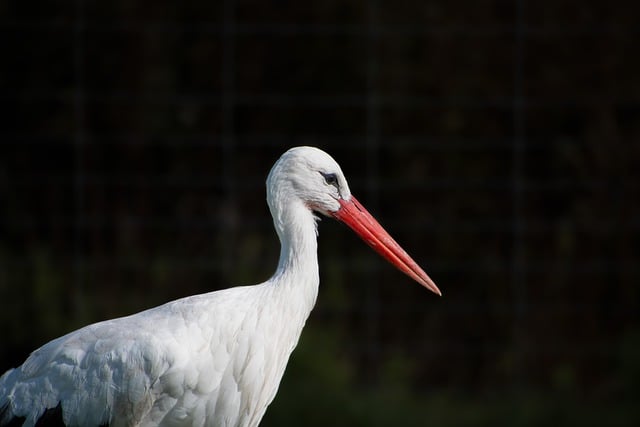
x: 79, y: 306
x: 518, y: 266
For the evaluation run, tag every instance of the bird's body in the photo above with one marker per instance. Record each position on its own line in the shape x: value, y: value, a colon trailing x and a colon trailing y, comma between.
x: 174, y: 365
x: 214, y: 359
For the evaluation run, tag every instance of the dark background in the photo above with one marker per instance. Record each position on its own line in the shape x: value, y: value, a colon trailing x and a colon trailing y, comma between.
x: 498, y: 141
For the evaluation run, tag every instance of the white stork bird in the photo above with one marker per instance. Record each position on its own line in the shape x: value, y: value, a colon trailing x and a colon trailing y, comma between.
x: 214, y: 359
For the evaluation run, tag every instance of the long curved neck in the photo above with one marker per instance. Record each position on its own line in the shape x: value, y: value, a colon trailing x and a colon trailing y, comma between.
x: 297, y: 272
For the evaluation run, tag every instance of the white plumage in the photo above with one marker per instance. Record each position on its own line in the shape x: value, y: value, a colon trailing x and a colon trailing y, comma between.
x: 214, y: 359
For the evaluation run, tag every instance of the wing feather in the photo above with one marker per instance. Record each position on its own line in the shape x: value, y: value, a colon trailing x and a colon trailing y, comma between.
x: 188, y: 362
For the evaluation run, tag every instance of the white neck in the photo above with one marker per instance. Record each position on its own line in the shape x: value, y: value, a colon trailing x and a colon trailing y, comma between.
x: 297, y: 276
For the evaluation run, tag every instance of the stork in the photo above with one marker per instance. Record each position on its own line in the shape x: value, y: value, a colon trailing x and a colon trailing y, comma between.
x: 214, y: 359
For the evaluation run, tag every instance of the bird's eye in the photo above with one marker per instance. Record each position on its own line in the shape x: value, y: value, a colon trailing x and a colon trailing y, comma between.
x: 330, y: 178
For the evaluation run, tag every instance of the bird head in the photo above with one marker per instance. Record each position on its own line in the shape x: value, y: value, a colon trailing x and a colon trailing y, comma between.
x: 310, y: 175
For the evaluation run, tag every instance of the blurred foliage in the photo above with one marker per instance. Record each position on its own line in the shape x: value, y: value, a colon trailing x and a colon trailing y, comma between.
x: 318, y: 390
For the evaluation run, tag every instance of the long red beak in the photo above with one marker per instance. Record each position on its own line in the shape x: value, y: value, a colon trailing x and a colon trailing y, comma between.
x: 353, y: 214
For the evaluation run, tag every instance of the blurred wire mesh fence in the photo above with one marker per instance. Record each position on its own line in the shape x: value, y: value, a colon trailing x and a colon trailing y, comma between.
x: 496, y: 140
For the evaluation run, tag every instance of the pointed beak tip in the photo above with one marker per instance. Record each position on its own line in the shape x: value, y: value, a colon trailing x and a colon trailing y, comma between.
x: 433, y: 288
x: 354, y: 215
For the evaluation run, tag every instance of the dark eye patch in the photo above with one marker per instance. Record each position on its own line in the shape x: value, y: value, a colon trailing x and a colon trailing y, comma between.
x: 330, y: 179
